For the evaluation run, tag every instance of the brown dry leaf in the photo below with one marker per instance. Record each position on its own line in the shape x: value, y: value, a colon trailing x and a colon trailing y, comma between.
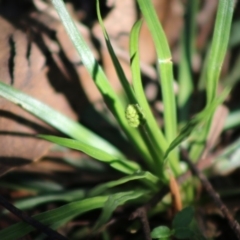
x: 205, y: 21
x: 86, y: 81
x: 67, y: 46
x: 16, y: 147
x: 53, y: 79
x: 118, y: 24
x: 23, y: 64
x: 170, y: 14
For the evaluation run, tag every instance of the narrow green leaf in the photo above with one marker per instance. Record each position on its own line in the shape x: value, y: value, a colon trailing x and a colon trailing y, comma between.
x: 166, y: 70
x: 132, y: 100
x: 144, y: 176
x: 201, y: 118
x: 158, y: 143
x: 110, y: 97
x: 219, y: 46
x: 156, y: 29
x: 113, y: 202
x: 187, y: 49
x: 120, y: 164
x: 54, y: 218
x: 63, y: 196
x: 166, y: 77
x: 121, y: 75
x: 55, y: 118
x: 30, y: 184
x: 213, y: 65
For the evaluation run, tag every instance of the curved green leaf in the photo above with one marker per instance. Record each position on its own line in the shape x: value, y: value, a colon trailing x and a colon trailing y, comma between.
x: 113, y: 202
x: 116, y: 162
x: 200, y: 118
x: 165, y: 69
x: 144, y: 176
x: 54, y: 218
x: 110, y: 97
x: 67, y: 196
x: 56, y: 119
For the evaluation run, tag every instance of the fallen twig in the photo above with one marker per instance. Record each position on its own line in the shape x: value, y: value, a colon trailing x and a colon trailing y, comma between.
x: 141, y: 213
x: 214, y: 195
x: 31, y: 221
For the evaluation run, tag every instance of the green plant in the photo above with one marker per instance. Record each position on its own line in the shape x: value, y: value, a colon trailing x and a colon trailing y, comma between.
x: 156, y: 147
x: 181, y: 228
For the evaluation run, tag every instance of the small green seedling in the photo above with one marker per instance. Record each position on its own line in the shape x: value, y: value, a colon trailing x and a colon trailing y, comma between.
x: 181, y: 227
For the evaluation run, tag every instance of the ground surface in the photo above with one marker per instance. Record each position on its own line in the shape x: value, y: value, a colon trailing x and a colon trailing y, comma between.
x: 37, y: 57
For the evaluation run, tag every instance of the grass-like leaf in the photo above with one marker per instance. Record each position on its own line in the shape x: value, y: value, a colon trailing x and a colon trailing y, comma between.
x: 219, y: 46
x: 187, y: 48
x: 113, y: 202
x: 56, y: 119
x: 166, y: 76
x: 54, y: 218
x: 73, y: 195
x: 62, y: 196
x: 213, y: 65
x: 30, y: 184
x: 116, y: 162
x: 201, y: 118
x: 142, y: 176
x: 165, y: 65
x: 124, y: 82
x: 121, y: 75
x: 59, y: 216
x: 110, y: 97
x: 157, y: 142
